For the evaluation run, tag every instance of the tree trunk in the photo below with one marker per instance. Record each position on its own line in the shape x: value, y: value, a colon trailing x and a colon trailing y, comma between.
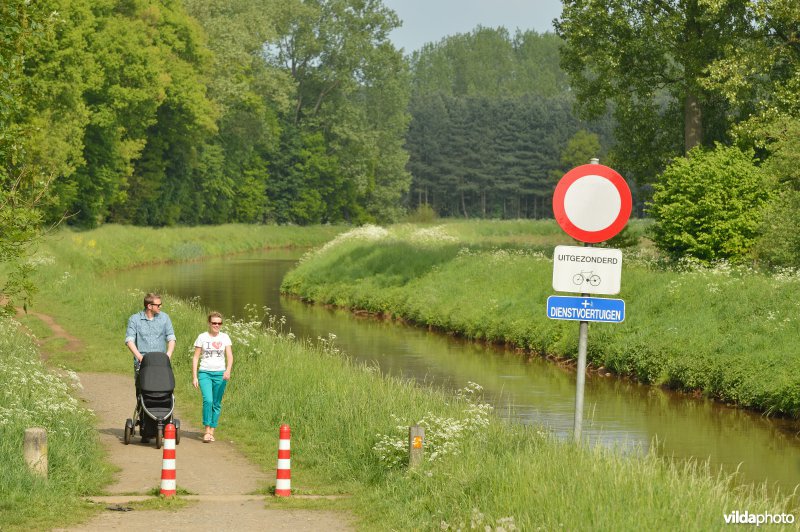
x: 693, y: 122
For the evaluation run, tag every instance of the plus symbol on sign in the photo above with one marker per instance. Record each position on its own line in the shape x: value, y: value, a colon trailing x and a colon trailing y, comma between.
x: 586, y: 303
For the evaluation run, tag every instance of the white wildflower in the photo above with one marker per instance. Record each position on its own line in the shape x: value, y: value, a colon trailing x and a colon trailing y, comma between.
x: 444, y: 436
x: 365, y: 232
x: 432, y: 235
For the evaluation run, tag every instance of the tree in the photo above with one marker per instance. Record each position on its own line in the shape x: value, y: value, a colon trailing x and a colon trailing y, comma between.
x: 19, y: 27
x: 20, y: 220
x: 23, y: 26
x: 177, y: 121
x: 250, y: 95
x: 350, y: 85
x: 537, y: 65
x: 761, y: 76
x: 490, y: 116
x: 776, y: 245
x: 490, y: 62
x: 761, y: 72
x: 58, y: 70
x: 423, y: 142
x: 487, y: 157
x: 650, y: 59
x: 580, y: 148
x: 709, y: 205
x: 101, y: 91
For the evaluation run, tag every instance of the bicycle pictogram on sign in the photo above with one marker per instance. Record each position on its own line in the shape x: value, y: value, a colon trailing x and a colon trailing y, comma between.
x: 586, y: 277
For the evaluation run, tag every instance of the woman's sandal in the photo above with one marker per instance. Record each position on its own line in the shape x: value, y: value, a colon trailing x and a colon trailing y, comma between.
x: 208, y: 437
x: 211, y: 438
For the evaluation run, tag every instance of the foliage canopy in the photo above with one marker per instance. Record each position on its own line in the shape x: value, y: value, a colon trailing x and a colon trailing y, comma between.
x: 649, y: 60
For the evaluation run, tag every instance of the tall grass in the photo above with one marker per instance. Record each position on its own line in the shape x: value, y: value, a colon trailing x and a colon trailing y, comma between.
x: 349, y: 428
x: 728, y: 333
x: 33, y: 396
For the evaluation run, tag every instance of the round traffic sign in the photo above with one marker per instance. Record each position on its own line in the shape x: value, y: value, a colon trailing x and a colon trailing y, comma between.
x: 592, y: 203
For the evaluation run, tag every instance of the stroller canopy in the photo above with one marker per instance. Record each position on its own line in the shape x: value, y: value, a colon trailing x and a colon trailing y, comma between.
x: 155, y: 373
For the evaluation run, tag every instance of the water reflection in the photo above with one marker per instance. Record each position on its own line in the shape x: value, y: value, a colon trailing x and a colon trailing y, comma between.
x: 617, y: 413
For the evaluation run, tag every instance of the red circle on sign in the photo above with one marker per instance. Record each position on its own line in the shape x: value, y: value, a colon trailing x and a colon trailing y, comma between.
x: 608, y: 228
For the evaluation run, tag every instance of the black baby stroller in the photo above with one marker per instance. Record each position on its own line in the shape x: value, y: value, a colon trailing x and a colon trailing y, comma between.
x: 154, y: 400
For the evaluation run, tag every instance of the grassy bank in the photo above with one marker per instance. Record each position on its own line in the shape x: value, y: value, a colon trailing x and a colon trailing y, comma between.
x: 349, y: 426
x: 727, y: 333
x: 114, y: 247
x: 33, y: 396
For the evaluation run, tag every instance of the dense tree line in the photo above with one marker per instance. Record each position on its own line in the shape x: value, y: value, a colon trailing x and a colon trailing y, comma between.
x: 485, y: 157
x: 160, y: 112
x: 491, y: 120
x: 165, y: 112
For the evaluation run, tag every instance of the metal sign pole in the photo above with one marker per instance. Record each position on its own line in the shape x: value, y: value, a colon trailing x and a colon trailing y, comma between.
x: 583, y: 339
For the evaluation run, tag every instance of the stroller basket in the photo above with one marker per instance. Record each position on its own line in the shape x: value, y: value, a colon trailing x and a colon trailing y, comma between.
x: 158, y: 405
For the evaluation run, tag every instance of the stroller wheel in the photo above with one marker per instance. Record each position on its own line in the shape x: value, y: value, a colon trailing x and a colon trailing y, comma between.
x: 158, y: 439
x: 128, y: 431
x: 177, y: 423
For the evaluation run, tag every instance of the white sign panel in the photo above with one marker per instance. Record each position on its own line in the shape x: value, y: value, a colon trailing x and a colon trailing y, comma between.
x: 587, y: 270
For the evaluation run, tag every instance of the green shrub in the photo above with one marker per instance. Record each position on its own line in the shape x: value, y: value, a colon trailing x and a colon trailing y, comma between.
x: 628, y: 238
x: 423, y: 214
x: 709, y: 205
x: 779, y: 242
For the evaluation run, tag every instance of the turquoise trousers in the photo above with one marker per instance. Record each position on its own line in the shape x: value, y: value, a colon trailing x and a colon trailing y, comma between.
x: 212, y: 386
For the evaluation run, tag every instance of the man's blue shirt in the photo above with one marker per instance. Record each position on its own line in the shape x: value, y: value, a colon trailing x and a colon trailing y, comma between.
x: 150, y: 335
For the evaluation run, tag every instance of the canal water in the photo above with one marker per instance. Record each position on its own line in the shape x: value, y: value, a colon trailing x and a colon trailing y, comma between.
x: 617, y: 413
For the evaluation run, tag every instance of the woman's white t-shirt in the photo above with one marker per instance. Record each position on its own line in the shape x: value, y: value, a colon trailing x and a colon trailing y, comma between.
x: 212, y: 351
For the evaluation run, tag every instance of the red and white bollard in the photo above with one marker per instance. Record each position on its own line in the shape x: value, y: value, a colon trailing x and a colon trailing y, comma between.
x: 283, y: 483
x: 168, y: 483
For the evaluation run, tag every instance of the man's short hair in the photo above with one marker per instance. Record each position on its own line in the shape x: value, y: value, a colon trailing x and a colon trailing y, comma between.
x: 150, y: 298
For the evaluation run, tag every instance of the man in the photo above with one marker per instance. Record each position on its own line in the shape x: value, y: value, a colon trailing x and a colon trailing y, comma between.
x: 149, y: 331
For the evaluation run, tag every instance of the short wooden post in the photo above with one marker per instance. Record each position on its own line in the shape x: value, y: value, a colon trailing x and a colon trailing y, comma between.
x: 35, y: 450
x: 416, y: 438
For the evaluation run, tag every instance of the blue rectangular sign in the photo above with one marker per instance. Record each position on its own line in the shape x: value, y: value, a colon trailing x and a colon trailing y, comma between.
x: 586, y: 309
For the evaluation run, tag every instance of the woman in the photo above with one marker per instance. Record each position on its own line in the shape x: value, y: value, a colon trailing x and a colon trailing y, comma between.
x: 212, y: 349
